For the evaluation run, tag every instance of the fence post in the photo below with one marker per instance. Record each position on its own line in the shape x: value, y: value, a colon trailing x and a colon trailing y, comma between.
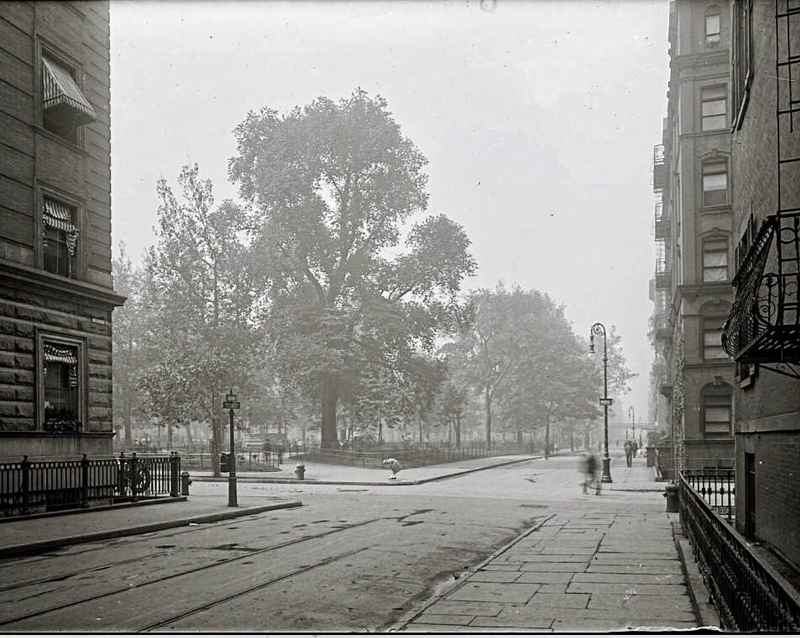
x: 84, y: 481
x: 174, y: 474
x: 121, y: 474
x: 25, y: 487
x: 133, y: 477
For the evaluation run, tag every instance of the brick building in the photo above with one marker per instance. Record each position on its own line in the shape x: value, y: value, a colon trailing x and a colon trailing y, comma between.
x: 763, y: 330
x: 691, y: 289
x: 56, y: 291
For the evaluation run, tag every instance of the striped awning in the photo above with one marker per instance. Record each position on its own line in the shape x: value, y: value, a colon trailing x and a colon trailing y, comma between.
x: 60, y: 88
x: 53, y: 354
x: 59, y: 216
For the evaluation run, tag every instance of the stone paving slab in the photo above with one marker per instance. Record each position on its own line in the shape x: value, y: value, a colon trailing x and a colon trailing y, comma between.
x: 519, y: 617
x: 629, y: 589
x: 495, y: 592
x: 639, y: 579
x: 568, y: 600
x: 612, y: 568
x: 653, y: 606
x: 553, y: 567
x: 458, y: 607
x: 545, y: 578
x: 495, y: 577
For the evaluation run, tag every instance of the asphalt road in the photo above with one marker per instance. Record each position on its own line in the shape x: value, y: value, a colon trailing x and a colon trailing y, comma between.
x: 352, y: 558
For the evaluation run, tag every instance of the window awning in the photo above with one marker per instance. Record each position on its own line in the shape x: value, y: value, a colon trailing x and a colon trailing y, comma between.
x: 60, y: 89
x: 57, y: 215
x: 53, y: 354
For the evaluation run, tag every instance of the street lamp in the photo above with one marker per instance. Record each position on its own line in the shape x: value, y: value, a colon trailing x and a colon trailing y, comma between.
x: 231, y: 404
x: 605, y: 401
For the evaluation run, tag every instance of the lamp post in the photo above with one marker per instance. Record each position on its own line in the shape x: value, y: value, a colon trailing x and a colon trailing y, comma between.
x: 231, y: 404
x: 605, y: 401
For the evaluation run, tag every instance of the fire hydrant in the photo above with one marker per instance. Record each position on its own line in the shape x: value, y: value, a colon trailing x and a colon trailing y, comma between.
x: 185, y: 483
x: 300, y: 470
x: 673, y: 502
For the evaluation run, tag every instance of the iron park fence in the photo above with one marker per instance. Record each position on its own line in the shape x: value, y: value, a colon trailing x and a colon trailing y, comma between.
x: 414, y: 456
x: 750, y: 595
x: 28, y: 487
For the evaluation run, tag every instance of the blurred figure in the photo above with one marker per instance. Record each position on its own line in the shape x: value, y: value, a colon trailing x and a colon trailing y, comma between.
x: 590, y: 467
x: 629, y: 449
x: 394, y: 465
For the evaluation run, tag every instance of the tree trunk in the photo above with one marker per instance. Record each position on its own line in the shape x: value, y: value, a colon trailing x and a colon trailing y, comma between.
x: 488, y: 403
x: 458, y: 430
x: 128, y: 428
x: 330, y: 397
x: 586, y: 443
x: 546, y: 434
x: 169, y: 436
x: 216, y: 446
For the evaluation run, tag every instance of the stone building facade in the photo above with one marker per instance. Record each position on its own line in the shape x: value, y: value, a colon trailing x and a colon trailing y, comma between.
x: 56, y: 290
x: 691, y: 289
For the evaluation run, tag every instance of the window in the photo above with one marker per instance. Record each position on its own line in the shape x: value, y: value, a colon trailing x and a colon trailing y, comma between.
x: 712, y: 344
x: 64, y: 106
x: 715, y: 260
x: 717, y: 401
x: 712, y: 27
x: 712, y: 104
x: 715, y: 184
x: 60, y: 237
x: 61, y: 408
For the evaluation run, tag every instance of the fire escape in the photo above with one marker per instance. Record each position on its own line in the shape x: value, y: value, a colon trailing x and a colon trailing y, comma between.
x: 764, y: 323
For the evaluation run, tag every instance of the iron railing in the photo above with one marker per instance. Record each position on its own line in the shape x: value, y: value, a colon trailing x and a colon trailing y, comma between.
x: 717, y: 487
x: 33, y: 486
x: 750, y: 596
x: 414, y: 457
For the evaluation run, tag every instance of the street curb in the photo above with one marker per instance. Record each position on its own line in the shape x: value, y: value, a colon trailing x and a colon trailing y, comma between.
x: 400, y: 624
x: 248, y: 479
x: 99, y: 508
x: 42, y: 546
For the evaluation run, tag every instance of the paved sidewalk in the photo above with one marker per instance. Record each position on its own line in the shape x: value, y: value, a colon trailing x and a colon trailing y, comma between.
x: 615, y: 567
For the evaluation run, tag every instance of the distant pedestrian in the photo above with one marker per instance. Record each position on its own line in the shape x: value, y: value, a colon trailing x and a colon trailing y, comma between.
x: 394, y: 465
x: 629, y: 453
x: 589, y: 466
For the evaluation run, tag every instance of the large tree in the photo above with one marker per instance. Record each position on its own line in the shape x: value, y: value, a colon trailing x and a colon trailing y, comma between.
x: 331, y: 187
x: 129, y: 321
x: 199, y: 294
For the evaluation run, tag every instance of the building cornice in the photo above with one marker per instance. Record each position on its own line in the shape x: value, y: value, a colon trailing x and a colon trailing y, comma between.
x: 704, y: 58
x: 49, y: 284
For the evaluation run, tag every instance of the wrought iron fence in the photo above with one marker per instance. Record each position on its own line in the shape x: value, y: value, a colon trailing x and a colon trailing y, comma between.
x: 750, y: 596
x: 246, y: 461
x: 32, y: 486
x: 717, y: 487
x: 413, y: 457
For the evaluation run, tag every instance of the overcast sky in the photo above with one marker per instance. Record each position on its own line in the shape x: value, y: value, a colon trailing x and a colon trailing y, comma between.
x: 538, y: 119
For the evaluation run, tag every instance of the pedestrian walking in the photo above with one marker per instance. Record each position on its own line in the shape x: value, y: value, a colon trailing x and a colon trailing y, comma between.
x: 394, y: 465
x: 629, y: 453
x: 589, y: 466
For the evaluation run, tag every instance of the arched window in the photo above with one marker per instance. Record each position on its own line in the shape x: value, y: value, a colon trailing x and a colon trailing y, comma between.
x: 717, y: 401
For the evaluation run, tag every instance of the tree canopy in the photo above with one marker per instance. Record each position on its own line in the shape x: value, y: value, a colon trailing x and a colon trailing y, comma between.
x: 329, y: 188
